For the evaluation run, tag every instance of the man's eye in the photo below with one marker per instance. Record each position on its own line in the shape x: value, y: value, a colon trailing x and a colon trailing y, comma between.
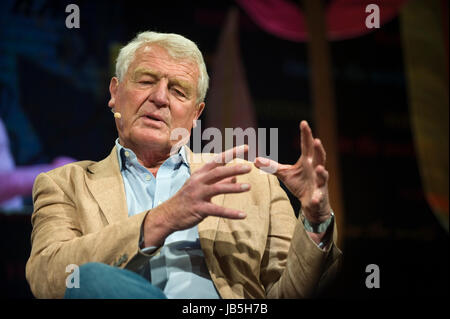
x: 180, y: 93
x: 146, y: 82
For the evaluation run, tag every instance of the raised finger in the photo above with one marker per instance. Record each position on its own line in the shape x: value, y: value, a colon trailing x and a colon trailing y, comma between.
x: 307, y: 141
x: 319, y: 157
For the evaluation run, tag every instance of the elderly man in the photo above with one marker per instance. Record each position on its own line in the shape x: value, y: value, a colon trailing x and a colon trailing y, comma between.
x: 148, y: 222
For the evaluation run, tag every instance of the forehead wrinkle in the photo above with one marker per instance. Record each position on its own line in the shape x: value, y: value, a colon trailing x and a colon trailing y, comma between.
x: 150, y: 51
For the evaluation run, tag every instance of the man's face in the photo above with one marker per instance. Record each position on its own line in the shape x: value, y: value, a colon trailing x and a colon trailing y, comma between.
x: 157, y: 95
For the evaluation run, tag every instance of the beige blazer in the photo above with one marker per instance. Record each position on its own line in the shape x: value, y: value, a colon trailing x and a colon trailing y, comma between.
x: 80, y: 215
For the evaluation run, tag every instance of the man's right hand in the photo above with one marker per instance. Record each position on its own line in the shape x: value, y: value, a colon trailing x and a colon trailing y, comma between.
x: 192, y: 203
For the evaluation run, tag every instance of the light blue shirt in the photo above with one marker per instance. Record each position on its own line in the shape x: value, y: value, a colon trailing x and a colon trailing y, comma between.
x: 180, y: 268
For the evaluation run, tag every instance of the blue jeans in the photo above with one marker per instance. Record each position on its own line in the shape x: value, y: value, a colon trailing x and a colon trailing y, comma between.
x: 100, y: 281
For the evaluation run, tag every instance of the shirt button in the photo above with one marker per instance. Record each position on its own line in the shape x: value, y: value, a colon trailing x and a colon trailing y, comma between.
x: 127, y: 153
x: 147, y: 177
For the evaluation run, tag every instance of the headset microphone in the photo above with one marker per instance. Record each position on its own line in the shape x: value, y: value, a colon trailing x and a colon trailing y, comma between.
x: 117, y: 115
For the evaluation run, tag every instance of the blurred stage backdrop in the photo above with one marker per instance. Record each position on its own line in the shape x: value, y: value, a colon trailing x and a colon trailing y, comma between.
x: 377, y: 97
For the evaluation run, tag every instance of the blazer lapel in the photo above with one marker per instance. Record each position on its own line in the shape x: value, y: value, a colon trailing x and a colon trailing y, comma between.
x: 106, y: 185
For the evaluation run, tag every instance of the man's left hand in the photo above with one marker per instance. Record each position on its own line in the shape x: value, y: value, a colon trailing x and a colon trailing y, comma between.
x: 307, y: 179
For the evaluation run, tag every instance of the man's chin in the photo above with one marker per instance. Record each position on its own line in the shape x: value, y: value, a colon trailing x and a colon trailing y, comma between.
x: 146, y: 137
x: 154, y: 142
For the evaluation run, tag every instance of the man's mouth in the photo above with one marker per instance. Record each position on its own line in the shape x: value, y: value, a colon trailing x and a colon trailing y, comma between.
x: 154, y: 118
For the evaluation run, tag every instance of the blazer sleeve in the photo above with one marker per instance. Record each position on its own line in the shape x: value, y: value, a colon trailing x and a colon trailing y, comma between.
x: 58, y: 241
x: 293, y: 266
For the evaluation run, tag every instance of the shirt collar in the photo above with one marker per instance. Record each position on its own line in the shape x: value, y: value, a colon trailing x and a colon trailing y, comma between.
x: 125, y: 154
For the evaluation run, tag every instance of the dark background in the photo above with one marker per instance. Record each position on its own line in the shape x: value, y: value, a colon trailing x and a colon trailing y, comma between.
x: 54, y: 85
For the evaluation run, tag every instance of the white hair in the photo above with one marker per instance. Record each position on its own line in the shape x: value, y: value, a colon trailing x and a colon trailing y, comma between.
x: 177, y: 47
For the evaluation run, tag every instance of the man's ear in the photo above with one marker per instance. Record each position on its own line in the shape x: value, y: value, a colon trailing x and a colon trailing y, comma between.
x: 199, y: 111
x: 113, y: 87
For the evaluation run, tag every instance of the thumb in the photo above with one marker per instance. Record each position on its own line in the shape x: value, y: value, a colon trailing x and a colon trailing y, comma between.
x: 270, y: 166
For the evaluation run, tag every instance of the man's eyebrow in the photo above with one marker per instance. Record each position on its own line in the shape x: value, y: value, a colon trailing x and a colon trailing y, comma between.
x: 145, y: 71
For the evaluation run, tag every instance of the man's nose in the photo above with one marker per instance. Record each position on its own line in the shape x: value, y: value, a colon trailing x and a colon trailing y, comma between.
x: 160, y: 94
